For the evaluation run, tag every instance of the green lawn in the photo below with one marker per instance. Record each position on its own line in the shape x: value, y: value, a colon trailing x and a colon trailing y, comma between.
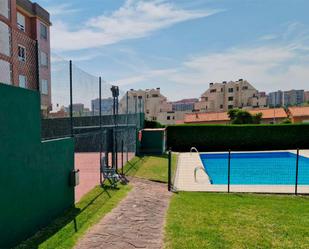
x: 66, y: 230
x: 153, y: 168
x: 218, y: 220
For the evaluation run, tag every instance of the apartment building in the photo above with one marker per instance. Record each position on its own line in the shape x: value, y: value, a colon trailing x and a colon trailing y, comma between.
x: 306, y: 96
x: 286, y: 98
x: 171, y: 117
x: 184, y: 105
x: 25, y: 47
x: 149, y: 101
x: 106, y: 106
x: 223, y: 96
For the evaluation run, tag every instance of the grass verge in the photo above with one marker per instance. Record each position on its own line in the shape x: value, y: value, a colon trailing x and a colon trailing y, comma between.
x: 211, y: 220
x: 65, y: 231
x: 153, y: 168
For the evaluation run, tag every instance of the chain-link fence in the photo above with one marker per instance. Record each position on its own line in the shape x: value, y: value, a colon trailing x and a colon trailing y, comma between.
x: 258, y: 172
x: 83, y: 107
x: 74, y: 103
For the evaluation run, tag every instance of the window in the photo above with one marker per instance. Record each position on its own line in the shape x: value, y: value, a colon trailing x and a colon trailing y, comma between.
x: 5, y: 35
x: 221, y: 106
x: 231, y: 98
x: 231, y: 90
x: 213, y: 90
x: 245, y: 88
x: 21, y: 22
x: 43, y: 31
x: 21, y: 53
x: 22, y: 81
x: 6, y: 72
x: 168, y: 118
x: 4, y: 8
x: 44, y: 87
x: 44, y: 59
x: 237, y: 89
x: 230, y: 107
x: 206, y: 99
x: 155, y: 95
x: 221, y: 89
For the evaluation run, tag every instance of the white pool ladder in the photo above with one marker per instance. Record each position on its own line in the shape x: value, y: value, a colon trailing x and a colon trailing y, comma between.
x: 193, y: 149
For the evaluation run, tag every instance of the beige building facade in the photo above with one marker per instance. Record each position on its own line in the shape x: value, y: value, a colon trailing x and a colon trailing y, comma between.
x: 149, y: 101
x: 224, y: 96
x: 171, y: 117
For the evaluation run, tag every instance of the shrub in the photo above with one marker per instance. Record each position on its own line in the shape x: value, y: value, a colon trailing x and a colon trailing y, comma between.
x: 153, y: 124
x: 238, y: 116
x: 238, y: 137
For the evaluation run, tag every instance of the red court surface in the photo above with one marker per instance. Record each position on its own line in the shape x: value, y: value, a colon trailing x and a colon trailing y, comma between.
x: 89, y: 171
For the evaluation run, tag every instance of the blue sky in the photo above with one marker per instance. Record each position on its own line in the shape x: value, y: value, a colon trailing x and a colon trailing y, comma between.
x: 183, y: 45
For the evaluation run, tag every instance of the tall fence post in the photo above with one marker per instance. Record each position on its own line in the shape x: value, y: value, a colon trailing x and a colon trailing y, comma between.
x: 169, y: 170
x: 229, y: 173
x: 122, y: 164
x: 100, y: 119
x: 127, y: 129
x: 296, y: 178
x: 71, y: 99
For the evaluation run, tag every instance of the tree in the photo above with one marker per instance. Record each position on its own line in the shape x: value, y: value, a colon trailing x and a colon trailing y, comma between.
x: 238, y: 116
x: 286, y: 121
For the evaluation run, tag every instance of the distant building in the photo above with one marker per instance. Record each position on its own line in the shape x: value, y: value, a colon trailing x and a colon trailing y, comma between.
x: 269, y: 116
x: 184, y: 105
x: 106, y: 106
x: 275, y: 99
x: 78, y: 109
x: 299, y: 114
x: 149, y: 101
x: 306, y: 96
x: 171, y: 117
x: 228, y: 95
x: 22, y: 23
x: 286, y: 98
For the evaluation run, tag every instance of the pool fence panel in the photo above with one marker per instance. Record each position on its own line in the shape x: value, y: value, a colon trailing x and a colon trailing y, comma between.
x: 282, y: 172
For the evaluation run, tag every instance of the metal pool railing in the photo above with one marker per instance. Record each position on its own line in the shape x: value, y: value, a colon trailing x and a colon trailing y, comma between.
x: 285, y: 172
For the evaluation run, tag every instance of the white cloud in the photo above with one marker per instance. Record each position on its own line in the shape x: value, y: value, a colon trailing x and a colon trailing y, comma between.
x: 269, y: 68
x: 61, y: 9
x: 135, y: 19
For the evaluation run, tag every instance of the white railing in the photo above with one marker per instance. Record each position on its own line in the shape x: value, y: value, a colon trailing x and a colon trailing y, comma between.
x: 193, y: 149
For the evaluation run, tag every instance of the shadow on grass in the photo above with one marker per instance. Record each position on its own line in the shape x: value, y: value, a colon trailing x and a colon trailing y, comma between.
x: 69, y: 216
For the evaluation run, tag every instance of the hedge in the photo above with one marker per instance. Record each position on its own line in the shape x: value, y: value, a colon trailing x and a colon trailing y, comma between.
x: 238, y: 137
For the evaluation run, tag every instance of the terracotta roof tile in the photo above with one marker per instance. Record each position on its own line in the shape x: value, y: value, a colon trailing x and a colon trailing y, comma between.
x: 223, y: 116
x: 299, y: 111
x: 206, y: 117
x: 270, y: 113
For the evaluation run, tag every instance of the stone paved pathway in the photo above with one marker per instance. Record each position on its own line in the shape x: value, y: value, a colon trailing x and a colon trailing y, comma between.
x: 137, y: 222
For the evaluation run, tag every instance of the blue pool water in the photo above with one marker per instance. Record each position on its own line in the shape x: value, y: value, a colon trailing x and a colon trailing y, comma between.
x: 271, y: 168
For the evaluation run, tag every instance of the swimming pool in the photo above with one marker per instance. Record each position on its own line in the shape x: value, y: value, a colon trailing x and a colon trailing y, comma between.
x: 267, y: 168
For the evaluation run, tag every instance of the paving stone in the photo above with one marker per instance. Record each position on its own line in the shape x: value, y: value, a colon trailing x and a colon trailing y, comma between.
x: 137, y: 222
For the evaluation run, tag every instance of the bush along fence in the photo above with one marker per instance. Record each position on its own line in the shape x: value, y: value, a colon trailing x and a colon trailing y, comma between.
x: 209, y: 138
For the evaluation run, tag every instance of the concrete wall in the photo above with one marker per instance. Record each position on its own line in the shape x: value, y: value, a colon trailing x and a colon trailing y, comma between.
x: 34, y: 176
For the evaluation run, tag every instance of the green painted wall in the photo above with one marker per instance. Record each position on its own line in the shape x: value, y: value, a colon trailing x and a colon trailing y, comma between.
x: 34, y: 175
x: 153, y: 141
